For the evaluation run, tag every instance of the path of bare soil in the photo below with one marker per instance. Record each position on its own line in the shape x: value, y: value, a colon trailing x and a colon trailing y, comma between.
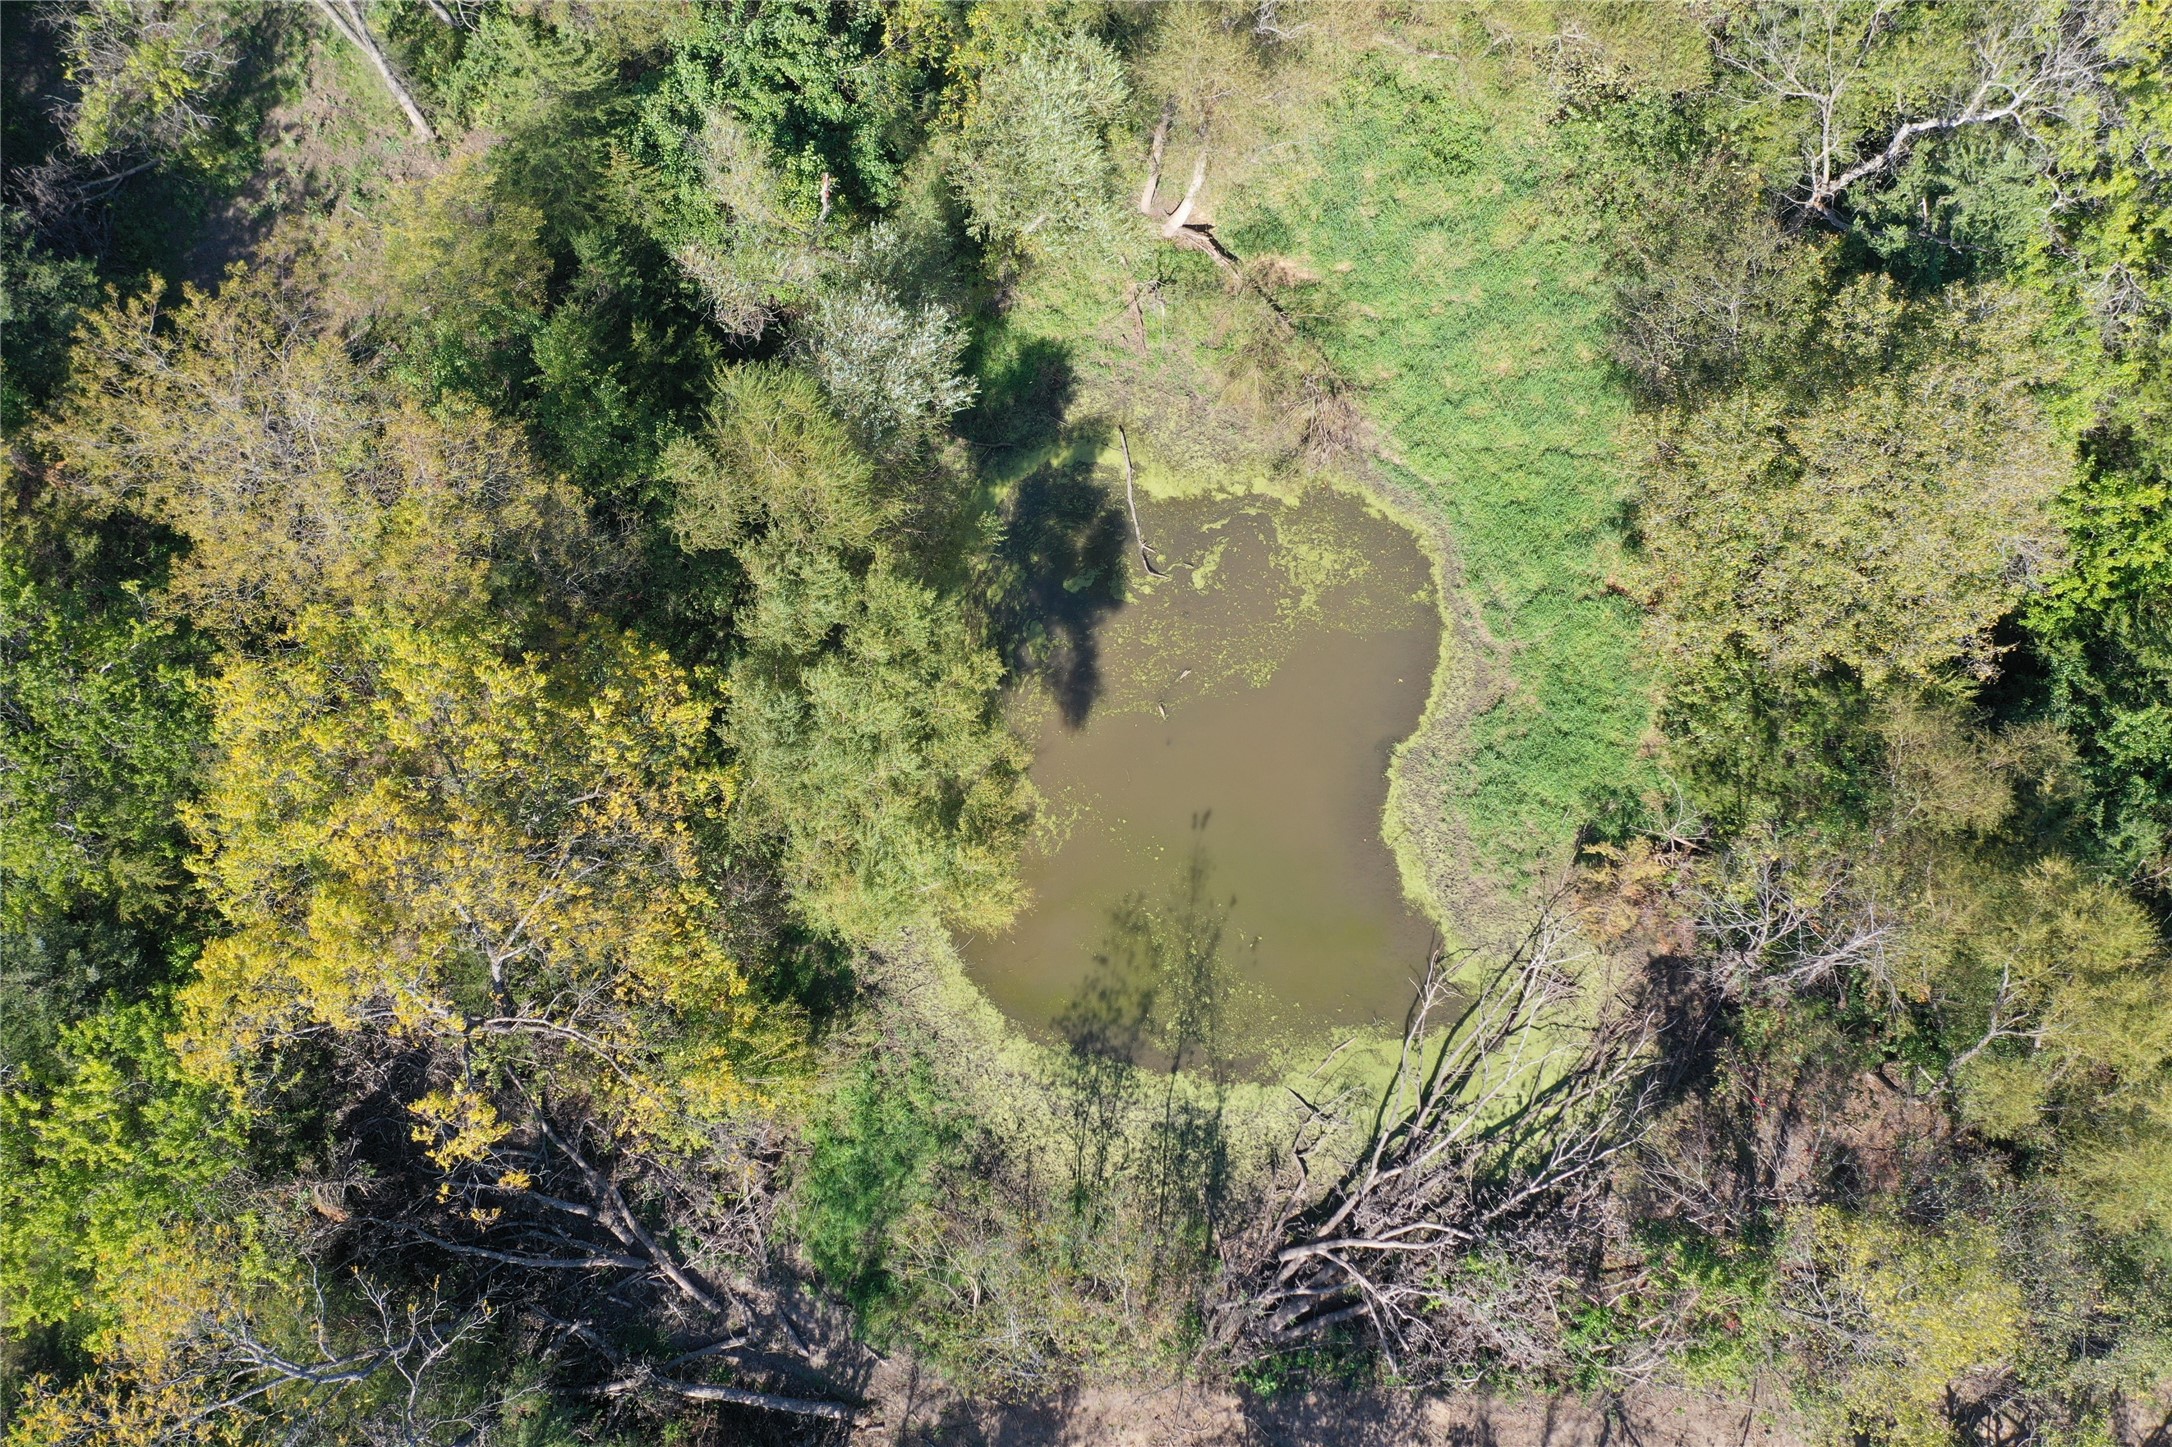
x: 1106, y: 1417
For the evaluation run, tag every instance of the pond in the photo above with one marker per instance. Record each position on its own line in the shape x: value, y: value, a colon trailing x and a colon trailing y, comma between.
x: 1233, y: 748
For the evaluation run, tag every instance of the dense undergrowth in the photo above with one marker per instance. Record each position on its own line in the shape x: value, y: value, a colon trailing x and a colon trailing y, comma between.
x: 513, y: 561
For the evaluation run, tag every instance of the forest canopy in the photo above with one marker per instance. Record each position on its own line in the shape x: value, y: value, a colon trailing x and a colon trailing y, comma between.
x: 532, y: 533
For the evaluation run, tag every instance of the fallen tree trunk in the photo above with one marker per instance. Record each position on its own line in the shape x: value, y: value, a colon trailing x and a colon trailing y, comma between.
x: 346, y: 18
x: 734, y: 1396
x: 635, y: 1257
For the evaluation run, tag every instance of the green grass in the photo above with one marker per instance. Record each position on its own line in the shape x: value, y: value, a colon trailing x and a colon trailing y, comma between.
x: 867, y: 1171
x: 1461, y: 292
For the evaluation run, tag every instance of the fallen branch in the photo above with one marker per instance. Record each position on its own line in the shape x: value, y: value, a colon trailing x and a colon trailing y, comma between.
x: 1493, y: 1137
x: 98, y: 188
x: 1180, y: 230
x: 1181, y: 218
x: 1131, y: 500
x: 1134, y: 309
x: 619, y: 1220
x: 593, y: 1261
x: 735, y: 1396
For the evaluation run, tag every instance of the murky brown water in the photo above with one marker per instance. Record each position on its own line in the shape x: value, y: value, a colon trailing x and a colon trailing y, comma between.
x: 1246, y: 708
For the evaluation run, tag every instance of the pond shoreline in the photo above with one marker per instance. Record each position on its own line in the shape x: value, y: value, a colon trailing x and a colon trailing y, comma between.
x: 1227, y: 775
x: 1417, y: 824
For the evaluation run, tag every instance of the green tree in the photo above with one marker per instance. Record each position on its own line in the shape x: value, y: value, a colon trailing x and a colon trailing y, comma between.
x: 1894, y: 1316
x: 101, y: 730
x: 162, y: 76
x: 2030, y: 988
x: 41, y: 296
x: 118, y: 1189
x: 864, y: 716
x: 818, y: 83
x: 1033, y: 163
x: 462, y: 277
x: 862, y: 707
x: 131, y: 1223
x: 766, y: 120
x: 1882, y: 511
x: 2101, y: 633
x: 774, y: 470
x: 2050, y: 988
x: 241, y: 423
x: 892, y: 372
x: 535, y: 275
x: 100, y: 724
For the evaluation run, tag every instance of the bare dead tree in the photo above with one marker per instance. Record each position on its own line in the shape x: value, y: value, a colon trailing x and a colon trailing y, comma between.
x: 1268, y: 23
x: 1333, y: 429
x: 406, y: 1339
x: 1177, y: 226
x: 1821, y: 56
x: 1779, y: 928
x: 1492, y: 1142
x: 298, y: 1371
x: 552, y: 1221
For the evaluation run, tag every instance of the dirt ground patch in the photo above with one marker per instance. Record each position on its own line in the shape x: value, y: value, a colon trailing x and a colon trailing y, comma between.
x: 1107, y: 1417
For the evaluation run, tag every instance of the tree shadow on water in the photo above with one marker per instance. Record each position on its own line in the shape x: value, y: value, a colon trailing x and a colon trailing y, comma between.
x: 1147, y: 1067
x: 1060, y: 565
x: 1064, y: 552
x: 1105, y: 1031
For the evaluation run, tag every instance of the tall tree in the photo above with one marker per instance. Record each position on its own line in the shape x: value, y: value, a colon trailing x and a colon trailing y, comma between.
x: 863, y: 707
x: 1882, y: 510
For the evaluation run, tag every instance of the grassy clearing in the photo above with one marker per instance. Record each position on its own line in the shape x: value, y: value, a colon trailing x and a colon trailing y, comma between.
x: 1460, y: 291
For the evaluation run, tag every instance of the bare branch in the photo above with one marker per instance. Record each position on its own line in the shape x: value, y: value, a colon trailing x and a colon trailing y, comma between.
x: 1146, y: 557
x: 1180, y: 218
x: 1494, y: 1136
x: 1817, y: 58
x: 1147, y: 200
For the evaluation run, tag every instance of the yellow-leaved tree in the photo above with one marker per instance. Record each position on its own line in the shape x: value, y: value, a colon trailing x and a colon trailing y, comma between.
x: 239, y: 420
x: 416, y: 833
x: 1894, y: 1316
